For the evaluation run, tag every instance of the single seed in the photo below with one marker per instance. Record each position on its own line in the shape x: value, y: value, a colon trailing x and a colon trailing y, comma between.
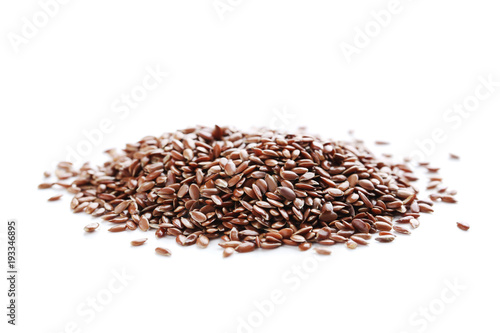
x: 385, y: 238
x: 463, y: 225
x: 322, y: 251
x: 163, y: 251
x: 55, y: 197
x: 245, y: 247
x: 202, y: 241
x: 227, y: 252
x: 351, y: 244
x: 118, y: 228
x: 401, y: 230
x: 138, y: 242
x: 91, y: 227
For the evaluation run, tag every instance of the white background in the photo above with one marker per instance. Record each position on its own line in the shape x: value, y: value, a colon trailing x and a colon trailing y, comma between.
x: 266, y: 63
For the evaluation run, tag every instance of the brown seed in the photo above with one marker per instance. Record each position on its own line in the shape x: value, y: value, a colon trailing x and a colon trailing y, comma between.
x: 55, y: 198
x: 448, y: 199
x: 138, y: 242
x: 227, y: 252
x: 198, y: 216
x: 146, y: 186
x: 163, y: 251
x: 366, y: 184
x: 287, y: 193
x: 305, y: 246
x: 245, y: 247
x: 91, y: 227
x: 383, y: 226
x: 322, y: 251
x: 194, y: 191
x: 144, y: 224
x: 361, y: 226
x: 463, y: 225
x: 202, y: 241
x: 43, y: 186
x: 297, y: 238
x: 118, y: 228
x: 454, y: 156
x: 230, y: 168
x: 401, y: 230
x: 351, y: 244
x: 385, y: 238
x: 414, y: 223
x: 289, y: 175
x: 359, y: 240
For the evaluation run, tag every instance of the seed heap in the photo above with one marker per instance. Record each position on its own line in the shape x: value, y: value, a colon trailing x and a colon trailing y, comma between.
x: 253, y: 190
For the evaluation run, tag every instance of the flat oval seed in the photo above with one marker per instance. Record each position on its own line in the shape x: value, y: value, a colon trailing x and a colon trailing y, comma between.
x: 245, y: 247
x: 163, y: 251
x: 144, y: 224
x: 91, y: 227
x: 463, y: 225
x: 385, y: 238
x: 305, y: 246
x: 322, y: 251
x: 287, y: 193
x: 227, y: 252
x: 198, y: 216
x: 118, y: 228
x: 202, y: 241
x: 138, y: 242
x: 351, y: 244
x: 55, y: 198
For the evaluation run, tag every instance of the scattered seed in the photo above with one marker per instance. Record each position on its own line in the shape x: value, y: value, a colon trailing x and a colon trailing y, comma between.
x: 91, y: 227
x: 118, y: 228
x: 163, y: 251
x: 227, y: 252
x: 138, y: 242
x: 202, y: 241
x: 385, y: 238
x: 448, y: 199
x: 55, y: 197
x: 322, y: 251
x: 351, y: 244
x: 463, y: 225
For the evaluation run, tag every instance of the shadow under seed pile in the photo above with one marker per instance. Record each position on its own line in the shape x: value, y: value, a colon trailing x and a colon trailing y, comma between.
x: 255, y: 190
